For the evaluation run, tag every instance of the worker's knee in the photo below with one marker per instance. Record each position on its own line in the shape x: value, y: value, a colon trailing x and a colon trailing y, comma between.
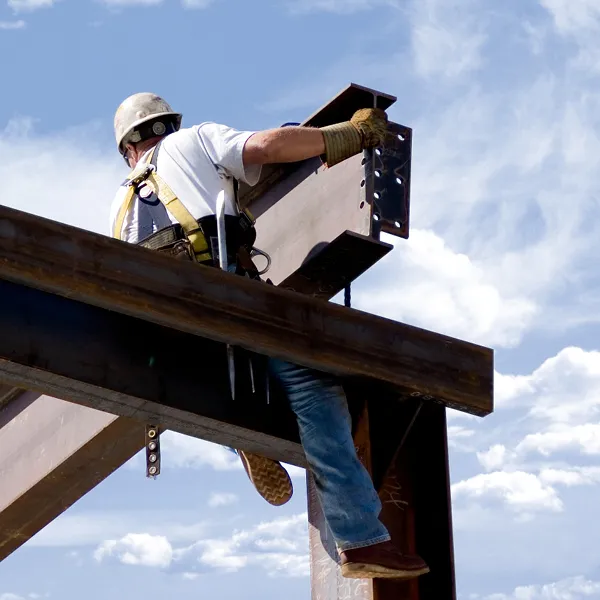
x: 315, y: 396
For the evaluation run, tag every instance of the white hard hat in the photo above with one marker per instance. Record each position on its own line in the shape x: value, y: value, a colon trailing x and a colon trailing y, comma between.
x: 139, y: 109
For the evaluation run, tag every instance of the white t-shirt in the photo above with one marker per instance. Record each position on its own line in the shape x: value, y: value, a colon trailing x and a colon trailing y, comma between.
x: 197, y: 163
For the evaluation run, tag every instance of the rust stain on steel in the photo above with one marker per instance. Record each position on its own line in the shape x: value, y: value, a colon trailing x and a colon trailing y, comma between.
x: 8, y: 393
x: 414, y: 487
x: 207, y: 302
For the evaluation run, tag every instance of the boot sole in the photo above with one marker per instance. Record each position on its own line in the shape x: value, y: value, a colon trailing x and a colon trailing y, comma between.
x: 367, y: 571
x: 269, y: 478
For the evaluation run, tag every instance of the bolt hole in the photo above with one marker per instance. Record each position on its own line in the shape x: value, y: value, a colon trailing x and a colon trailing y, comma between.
x: 378, y: 151
x: 362, y: 204
x: 400, y: 137
x: 363, y: 161
x: 377, y: 173
x: 399, y: 181
x: 362, y: 183
x: 376, y: 217
x: 398, y: 224
x: 377, y: 195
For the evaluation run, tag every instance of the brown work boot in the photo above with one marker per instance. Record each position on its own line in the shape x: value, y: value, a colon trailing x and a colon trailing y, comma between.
x: 381, y: 560
x: 269, y: 478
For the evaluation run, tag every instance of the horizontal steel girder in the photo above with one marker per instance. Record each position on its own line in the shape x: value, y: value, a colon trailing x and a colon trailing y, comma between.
x: 144, y: 287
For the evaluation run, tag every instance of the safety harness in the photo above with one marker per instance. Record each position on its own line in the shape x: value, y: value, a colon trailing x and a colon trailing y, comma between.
x: 200, y: 234
x: 201, y: 239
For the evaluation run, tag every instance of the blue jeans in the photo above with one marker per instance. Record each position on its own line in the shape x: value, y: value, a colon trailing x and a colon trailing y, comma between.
x: 348, y: 498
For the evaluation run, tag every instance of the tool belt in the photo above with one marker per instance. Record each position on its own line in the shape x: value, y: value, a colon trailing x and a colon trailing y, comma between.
x: 240, y: 235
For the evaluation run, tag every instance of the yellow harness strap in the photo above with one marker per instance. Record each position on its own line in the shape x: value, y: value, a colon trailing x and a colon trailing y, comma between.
x: 166, y: 195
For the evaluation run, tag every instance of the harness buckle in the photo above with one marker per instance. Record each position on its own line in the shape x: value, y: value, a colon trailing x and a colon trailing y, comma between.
x: 136, y: 178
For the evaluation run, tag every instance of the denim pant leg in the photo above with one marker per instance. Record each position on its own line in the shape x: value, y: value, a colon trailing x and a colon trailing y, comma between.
x: 345, y: 489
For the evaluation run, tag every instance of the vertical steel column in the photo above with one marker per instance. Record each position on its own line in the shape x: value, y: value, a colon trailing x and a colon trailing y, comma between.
x: 403, y: 444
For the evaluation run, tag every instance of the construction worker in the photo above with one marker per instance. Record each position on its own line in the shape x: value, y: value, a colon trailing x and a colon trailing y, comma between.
x: 168, y: 203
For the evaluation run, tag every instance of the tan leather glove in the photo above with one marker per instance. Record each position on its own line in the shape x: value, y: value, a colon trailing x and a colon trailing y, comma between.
x: 366, y: 129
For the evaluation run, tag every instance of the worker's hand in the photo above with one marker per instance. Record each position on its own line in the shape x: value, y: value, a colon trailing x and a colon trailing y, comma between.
x: 372, y: 124
x: 366, y: 129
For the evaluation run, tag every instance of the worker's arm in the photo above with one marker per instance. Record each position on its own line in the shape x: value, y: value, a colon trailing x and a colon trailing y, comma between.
x: 286, y: 144
x: 367, y: 128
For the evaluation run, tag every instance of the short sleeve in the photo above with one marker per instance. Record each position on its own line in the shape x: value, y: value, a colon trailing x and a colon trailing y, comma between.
x: 225, y: 147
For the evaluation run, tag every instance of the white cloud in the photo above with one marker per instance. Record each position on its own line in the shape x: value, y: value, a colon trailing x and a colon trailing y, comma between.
x: 583, y: 438
x: 572, y: 588
x: 565, y: 389
x: 337, y: 6
x: 458, y: 432
x: 447, y: 37
x: 279, y: 547
x: 493, y: 458
x: 196, y: 3
x: 29, y: 161
x: 492, y: 249
x: 9, y: 596
x: 572, y: 16
x: 510, y: 387
x: 445, y: 291
x: 222, y: 499
x: 458, y: 438
x: 554, y: 411
x: 30, y: 5
x: 522, y: 492
x: 186, y: 452
x: 579, y: 22
x: 137, y: 549
x: 10, y: 25
x: 571, y: 476
x: 118, y: 3
x: 188, y: 4
x: 190, y: 576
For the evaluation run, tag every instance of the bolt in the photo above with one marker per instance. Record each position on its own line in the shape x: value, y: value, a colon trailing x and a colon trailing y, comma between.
x: 152, y: 433
x: 152, y: 458
x: 152, y: 446
x: 152, y: 470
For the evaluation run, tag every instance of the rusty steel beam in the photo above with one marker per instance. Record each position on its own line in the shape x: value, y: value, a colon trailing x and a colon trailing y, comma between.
x: 152, y: 288
x: 132, y: 368
x: 51, y: 454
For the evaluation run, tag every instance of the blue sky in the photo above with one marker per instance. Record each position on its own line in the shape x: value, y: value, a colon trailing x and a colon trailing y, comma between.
x: 505, y: 105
